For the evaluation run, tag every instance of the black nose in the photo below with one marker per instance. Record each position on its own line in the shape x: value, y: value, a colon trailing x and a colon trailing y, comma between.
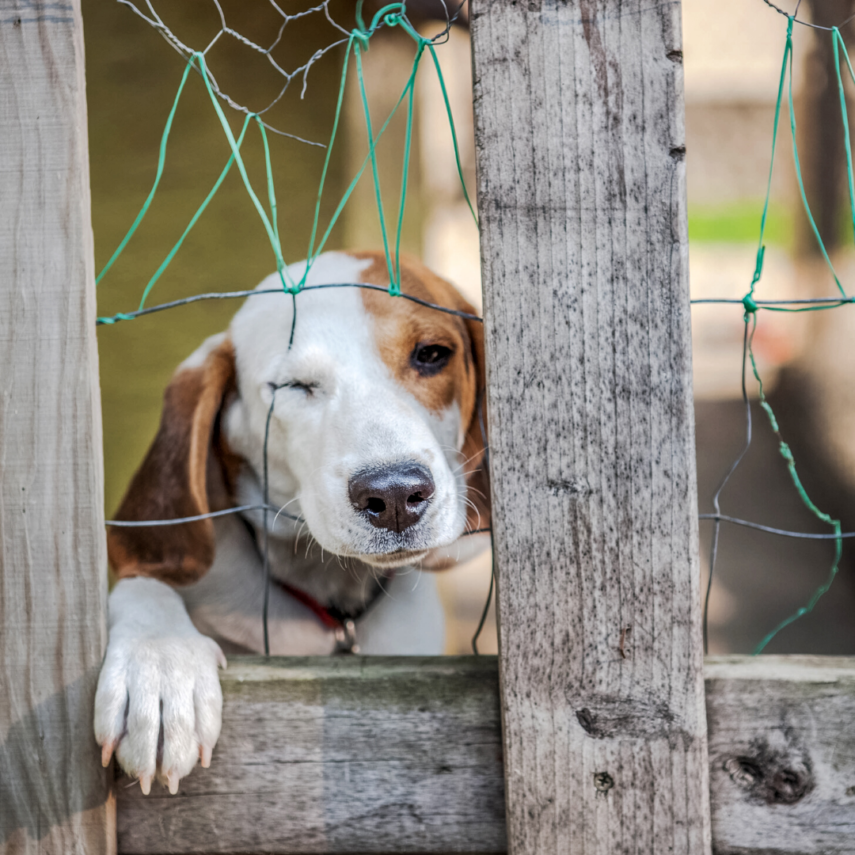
x: 392, y: 497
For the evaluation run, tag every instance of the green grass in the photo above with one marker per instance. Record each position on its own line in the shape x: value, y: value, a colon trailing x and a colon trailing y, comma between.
x: 739, y: 222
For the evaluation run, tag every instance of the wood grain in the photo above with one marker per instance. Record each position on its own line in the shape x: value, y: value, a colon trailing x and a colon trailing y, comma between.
x: 345, y: 754
x: 782, y: 754
x: 404, y: 755
x: 580, y: 145
x: 53, y: 792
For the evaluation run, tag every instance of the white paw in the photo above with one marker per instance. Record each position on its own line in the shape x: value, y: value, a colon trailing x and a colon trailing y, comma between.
x: 159, y: 702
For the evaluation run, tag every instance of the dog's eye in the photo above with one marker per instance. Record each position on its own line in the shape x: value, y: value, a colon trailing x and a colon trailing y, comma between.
x: 308, y: 388
x: 430, y: 359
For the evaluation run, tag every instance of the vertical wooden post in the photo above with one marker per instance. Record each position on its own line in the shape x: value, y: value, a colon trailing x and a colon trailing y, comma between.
x: 581, y: 148
x: 54, y: 796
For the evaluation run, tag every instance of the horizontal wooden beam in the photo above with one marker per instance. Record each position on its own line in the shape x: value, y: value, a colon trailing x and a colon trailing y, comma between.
x: 404, y: 755
x: 782, y: 754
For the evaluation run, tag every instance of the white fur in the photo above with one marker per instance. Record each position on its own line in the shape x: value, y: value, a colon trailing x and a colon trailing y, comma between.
x: 158, y: 668
x: 357, y: 417
x: 408, y: 620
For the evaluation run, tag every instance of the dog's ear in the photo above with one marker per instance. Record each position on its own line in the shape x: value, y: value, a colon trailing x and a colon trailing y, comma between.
x: 182, y: 475
x: 475, y: 443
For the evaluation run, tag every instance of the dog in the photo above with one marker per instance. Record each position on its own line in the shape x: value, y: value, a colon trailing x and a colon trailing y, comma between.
x: 360, y: 423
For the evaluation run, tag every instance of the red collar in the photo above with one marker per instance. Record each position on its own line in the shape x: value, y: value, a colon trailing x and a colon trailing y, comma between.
x: 323, y: 614
x: 343, y: 624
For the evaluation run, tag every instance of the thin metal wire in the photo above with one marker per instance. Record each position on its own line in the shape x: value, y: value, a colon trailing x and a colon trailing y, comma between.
x: 233, y: 295
x: 812, y: 26
x: 154, y: 20
x: 779, y: 531
x: 239, y: 509
x: 486, y: 611
x: 443, y: 35
x: 833, y: 302
x: 278, y: 512
x: 734, y: 466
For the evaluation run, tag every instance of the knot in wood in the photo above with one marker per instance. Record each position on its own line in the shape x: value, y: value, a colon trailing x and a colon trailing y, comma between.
x: 575, y: 488
x: 611, y: 717
x: 772, y: 774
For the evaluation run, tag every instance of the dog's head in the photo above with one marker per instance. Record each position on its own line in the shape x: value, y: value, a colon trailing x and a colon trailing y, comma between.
x: 372, y: 419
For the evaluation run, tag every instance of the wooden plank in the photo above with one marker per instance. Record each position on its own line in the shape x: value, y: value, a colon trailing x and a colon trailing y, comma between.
x: 345, y: 754
x: 580, y: 143
x: 54, y: 797
x: 404, y: 755
x: 782, y: 754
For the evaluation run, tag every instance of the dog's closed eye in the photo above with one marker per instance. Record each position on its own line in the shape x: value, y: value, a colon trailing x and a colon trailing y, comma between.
x: 304, y: 386
x: 429, y: 358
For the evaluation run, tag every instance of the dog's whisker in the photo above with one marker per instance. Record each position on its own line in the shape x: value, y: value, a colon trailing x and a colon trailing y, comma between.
x: 282, y: 510
x: 468, y: 460
x: 478, y: 514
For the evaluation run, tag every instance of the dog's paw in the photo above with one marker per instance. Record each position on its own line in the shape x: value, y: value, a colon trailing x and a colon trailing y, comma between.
x: 159, y: 702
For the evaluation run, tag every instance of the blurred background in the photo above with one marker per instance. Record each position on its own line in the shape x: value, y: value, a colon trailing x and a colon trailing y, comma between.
x: 732, y: 60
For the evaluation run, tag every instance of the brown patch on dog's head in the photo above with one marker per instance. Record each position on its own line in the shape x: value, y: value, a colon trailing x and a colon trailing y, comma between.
x: 401, y: 326
x: 188, y: 471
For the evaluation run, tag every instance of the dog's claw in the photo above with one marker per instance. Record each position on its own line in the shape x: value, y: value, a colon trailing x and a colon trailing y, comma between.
x: 205, y: 755
x: 172, y: 782
x: 106, y: 753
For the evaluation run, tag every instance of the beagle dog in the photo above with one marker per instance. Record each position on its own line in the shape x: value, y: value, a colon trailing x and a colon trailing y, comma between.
x: 352, y: 439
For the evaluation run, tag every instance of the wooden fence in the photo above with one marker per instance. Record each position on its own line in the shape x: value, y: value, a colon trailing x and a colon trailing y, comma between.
x: 401, y: 755
x: 599, y: 685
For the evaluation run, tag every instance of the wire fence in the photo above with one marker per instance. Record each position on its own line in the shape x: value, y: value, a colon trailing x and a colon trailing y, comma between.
x: 354, y: 42
x: 752, y: 305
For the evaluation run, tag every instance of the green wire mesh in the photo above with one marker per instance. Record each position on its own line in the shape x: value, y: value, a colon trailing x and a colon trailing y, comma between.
x: 751, y: 305
x: 392, y: 15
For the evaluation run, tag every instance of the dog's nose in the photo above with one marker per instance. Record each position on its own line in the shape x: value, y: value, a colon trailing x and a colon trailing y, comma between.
x: 392, y: 497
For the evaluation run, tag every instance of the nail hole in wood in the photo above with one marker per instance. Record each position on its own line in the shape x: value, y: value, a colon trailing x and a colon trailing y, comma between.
x: 603, y: 782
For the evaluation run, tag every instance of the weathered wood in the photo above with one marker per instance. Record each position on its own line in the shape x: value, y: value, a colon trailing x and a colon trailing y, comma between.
x: 581, y: 145
x: 404, y: 755
x: 339, y: 755
x: 53, y: 792
x: 782, y: 754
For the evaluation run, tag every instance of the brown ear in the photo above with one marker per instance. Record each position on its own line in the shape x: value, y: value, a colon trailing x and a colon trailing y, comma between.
x: 179, y: 477
x: 475, y: 443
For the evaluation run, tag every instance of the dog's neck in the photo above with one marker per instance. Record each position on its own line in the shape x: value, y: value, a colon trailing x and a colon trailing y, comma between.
x: 296, y: 558
x: 346, y: 584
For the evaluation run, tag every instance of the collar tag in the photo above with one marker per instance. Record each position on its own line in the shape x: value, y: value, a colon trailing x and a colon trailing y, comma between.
x: 345, y: 638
